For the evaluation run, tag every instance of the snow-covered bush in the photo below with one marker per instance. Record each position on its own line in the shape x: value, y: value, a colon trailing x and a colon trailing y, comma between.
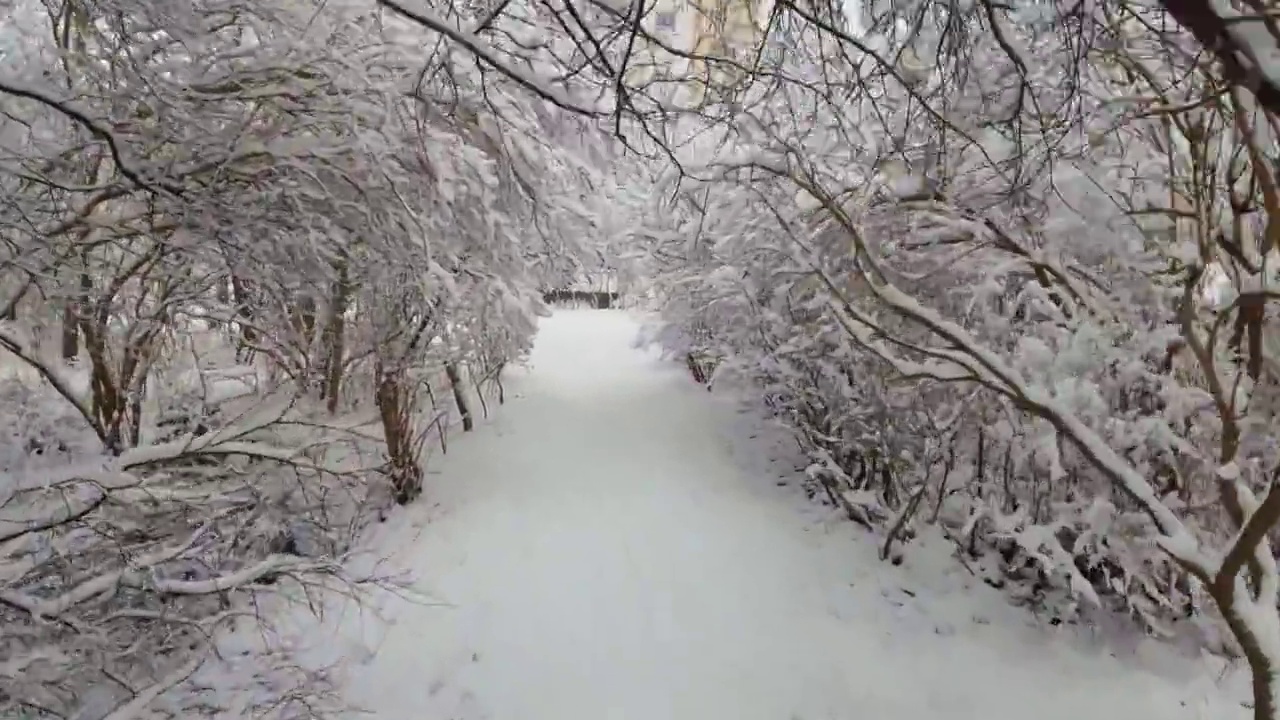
x: 1006, y: 268
x: 243, y: 247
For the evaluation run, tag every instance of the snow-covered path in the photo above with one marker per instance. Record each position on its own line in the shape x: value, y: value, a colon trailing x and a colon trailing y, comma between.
x: 602, y: 552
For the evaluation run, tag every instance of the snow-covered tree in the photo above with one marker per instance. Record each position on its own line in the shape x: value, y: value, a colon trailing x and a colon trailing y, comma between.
x: 244, y: 249
x: 1010, y: 264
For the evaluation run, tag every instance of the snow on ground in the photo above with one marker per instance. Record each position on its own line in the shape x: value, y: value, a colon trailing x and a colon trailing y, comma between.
x: 612, y: 547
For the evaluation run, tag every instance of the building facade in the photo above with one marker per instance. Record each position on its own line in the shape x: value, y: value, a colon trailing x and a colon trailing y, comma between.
x: 699, y: 32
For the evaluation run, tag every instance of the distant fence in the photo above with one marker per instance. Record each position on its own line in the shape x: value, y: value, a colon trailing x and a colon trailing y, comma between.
x: 582, y: 298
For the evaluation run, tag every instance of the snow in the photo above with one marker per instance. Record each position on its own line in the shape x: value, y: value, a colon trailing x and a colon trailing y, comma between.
x: 618, y: 543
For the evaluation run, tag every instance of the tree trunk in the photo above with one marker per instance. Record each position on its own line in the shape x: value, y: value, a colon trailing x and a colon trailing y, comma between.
x: 303, y: 318
x: 134, y: 438
x: 70, y: 331
x: 484, y: 405
x: 1261, y: 670
x: 497, y: 378
x: 71, y: 312
x: 395, y: 407
x: 242, y: 295
x: 221, y: 292
x: 459, y: 395
x: 335, y: 336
